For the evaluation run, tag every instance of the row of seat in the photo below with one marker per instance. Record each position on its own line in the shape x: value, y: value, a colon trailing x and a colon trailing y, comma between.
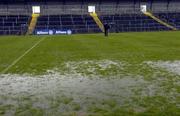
x: 171, y: 18
x: 119, y: 23
x: 86, y: 24
x: 13, y: 24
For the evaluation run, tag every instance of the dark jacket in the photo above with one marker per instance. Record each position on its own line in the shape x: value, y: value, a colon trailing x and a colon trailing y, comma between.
x: 106, y: 27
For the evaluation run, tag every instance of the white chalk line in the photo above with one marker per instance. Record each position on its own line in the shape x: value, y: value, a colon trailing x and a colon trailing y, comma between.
x: 19, y: 58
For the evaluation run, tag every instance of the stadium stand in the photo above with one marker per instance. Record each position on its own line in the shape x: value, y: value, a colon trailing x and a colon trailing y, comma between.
x: 13, y: 24
x: 77, y: 23
x: 171, y: 18
x: 123, y: 15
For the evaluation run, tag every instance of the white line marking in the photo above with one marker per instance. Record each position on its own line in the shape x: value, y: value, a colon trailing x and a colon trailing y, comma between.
x: 19, y: 58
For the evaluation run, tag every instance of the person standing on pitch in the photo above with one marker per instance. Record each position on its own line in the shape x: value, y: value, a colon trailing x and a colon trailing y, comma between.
x: 106, y: 29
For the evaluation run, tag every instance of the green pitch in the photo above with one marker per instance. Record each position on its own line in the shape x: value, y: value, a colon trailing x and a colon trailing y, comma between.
x: 139, y: 72
x: 51, y: 52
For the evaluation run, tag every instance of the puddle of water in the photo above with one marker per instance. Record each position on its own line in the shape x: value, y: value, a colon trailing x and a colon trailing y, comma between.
x: 171, y: 66
x: 76, y: 86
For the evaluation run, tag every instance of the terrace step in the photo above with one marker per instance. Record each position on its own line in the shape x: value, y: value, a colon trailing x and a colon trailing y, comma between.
x: 97, y: 20
x: 159, y: 20
x: 33, y: 23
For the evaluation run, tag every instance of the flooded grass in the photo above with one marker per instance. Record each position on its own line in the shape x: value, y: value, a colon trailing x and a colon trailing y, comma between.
x: 78, y: 91
x: 89, y: 75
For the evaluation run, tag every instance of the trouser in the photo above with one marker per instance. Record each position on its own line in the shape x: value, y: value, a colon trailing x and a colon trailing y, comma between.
x: 106, y: 33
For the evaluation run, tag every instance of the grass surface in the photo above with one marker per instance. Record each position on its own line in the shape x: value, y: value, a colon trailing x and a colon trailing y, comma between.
x: 87, y: 55
x: 131, y: 47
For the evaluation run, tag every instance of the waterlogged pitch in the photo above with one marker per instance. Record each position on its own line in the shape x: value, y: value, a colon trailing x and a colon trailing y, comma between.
x: 90, y: 75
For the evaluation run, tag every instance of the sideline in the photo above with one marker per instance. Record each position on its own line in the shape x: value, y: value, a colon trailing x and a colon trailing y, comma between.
x: 19, y: 58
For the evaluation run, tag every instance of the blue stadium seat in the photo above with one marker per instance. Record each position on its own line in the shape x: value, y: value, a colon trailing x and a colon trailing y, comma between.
x: 13, y: 24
